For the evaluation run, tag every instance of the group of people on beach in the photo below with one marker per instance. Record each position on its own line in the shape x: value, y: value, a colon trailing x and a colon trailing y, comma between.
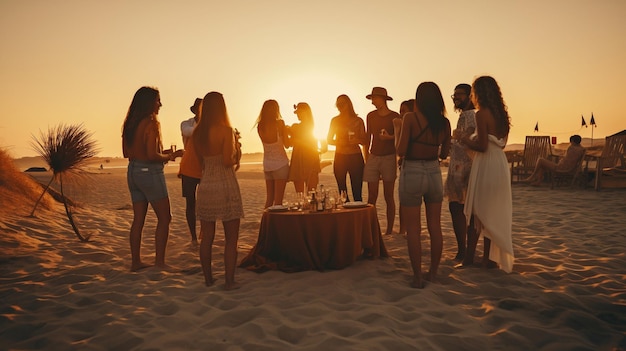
x: 414, y: 140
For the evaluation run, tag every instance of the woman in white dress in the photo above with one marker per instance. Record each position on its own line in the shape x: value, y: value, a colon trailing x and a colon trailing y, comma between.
x: 489, y: 189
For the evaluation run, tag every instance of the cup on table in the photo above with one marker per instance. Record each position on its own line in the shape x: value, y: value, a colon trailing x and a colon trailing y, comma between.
x: 333, y: 197
x: 343, y: 196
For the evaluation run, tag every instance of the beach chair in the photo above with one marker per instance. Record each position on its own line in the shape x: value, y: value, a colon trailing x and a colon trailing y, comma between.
x: 574, y: 176
x: 610, y: 164
x: 535, y: 148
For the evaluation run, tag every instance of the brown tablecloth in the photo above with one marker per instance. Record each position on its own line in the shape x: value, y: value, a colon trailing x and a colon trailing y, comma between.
x: 298, y: 241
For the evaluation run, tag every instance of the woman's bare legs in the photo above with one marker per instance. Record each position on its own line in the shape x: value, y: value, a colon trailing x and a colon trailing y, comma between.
x: 391, y: 205
x: 231, y: 233
x: 542, y: 165
x: 487, y: 263
x: 164, y: 217
x: 459, y: 223
x: 207, y: 232
x: 140, y: 209
x: 414, y: 244
x: 270, y: 192
x: 279, y: 191
x: 402, y: 225
x: 190, y: 215
x: 472, y: 241
x: 433, y: 221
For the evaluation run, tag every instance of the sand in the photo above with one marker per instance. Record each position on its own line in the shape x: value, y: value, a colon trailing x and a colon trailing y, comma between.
x: 567, y: 290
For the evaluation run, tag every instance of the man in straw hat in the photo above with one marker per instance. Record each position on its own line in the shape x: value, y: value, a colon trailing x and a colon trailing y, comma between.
x: 380, y: 154
x: 190, y: 170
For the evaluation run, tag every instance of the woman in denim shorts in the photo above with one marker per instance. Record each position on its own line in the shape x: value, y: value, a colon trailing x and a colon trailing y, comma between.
x: 141, y: 144
x: 424, y: 139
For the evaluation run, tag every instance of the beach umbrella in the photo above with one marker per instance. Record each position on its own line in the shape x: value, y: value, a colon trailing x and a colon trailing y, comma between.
x: 584, y: 124
x: 64, y: 149
x: 537, y: 127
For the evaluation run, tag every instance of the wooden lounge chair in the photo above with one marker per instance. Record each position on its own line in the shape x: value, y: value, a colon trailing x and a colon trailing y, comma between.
x: 611, y: 162
x: 575, y: 176
x: 535, y: 148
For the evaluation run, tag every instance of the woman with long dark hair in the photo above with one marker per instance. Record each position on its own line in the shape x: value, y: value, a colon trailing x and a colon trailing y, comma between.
x: 142, y: 145
x: 347, y: 133
x: 424, y: 139
x: 489, y: 197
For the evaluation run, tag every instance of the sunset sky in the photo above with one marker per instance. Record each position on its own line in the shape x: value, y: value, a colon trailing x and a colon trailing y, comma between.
x: 81, y: 61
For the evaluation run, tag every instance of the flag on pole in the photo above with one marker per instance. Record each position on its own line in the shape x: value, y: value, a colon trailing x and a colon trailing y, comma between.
x: 537, y: 127
x: 584, y: 124
x: 593, y: 121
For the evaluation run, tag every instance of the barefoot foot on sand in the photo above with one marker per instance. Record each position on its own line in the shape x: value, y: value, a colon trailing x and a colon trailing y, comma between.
x: 417, y: 283
x: 232, y: 286
x: 430, y: 277
x: 210, y: 282
x: 139, y: 266
x: 489, y: 264
x: 165, y: 268
x: 462, y: 265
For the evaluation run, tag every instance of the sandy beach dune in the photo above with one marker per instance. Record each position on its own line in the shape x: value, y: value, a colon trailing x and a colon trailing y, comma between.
x: 567, y: 291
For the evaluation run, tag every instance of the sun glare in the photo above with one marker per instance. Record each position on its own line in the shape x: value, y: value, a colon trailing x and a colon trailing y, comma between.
x: 319, y: 90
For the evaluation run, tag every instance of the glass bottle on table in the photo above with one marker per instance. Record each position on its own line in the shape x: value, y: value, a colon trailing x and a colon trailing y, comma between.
x: 313, y: 204
x: 321, y: 199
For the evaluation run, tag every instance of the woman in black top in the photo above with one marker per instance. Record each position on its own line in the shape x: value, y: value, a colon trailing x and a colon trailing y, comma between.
x: 424, y: 139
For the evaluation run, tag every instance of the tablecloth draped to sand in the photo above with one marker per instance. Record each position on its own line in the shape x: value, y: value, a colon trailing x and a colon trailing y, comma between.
x: 293, y: 241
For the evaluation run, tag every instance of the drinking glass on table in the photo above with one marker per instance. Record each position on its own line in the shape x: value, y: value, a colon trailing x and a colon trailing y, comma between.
x: 343, y: 196
x: 333, y: 197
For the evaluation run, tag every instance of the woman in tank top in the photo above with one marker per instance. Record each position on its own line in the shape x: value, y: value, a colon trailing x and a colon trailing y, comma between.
x: 424, y: 139
x: 273, y: 132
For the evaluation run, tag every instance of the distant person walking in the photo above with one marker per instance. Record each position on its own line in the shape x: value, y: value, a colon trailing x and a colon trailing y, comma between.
x: 459, y: 169
x: 425, y: 138
x: 274, y: 136
x: 190, y: 170
x: 143, y: 146
x: 489, y: 189
x: 381, y: 153
x: 219, y: 197
x: 305, y: 157
x: 347, y: 133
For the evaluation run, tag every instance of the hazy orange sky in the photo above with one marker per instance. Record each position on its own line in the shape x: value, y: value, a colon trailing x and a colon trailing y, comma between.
x: 81, y: 61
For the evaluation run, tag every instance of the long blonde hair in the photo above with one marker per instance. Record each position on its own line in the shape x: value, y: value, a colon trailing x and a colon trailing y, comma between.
x: 212, y: 114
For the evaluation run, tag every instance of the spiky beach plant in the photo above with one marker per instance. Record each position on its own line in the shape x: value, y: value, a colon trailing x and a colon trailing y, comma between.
x: 64, y: 148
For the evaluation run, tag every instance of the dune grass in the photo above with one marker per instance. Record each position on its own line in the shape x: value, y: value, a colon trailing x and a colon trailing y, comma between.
x: 65, y: 148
